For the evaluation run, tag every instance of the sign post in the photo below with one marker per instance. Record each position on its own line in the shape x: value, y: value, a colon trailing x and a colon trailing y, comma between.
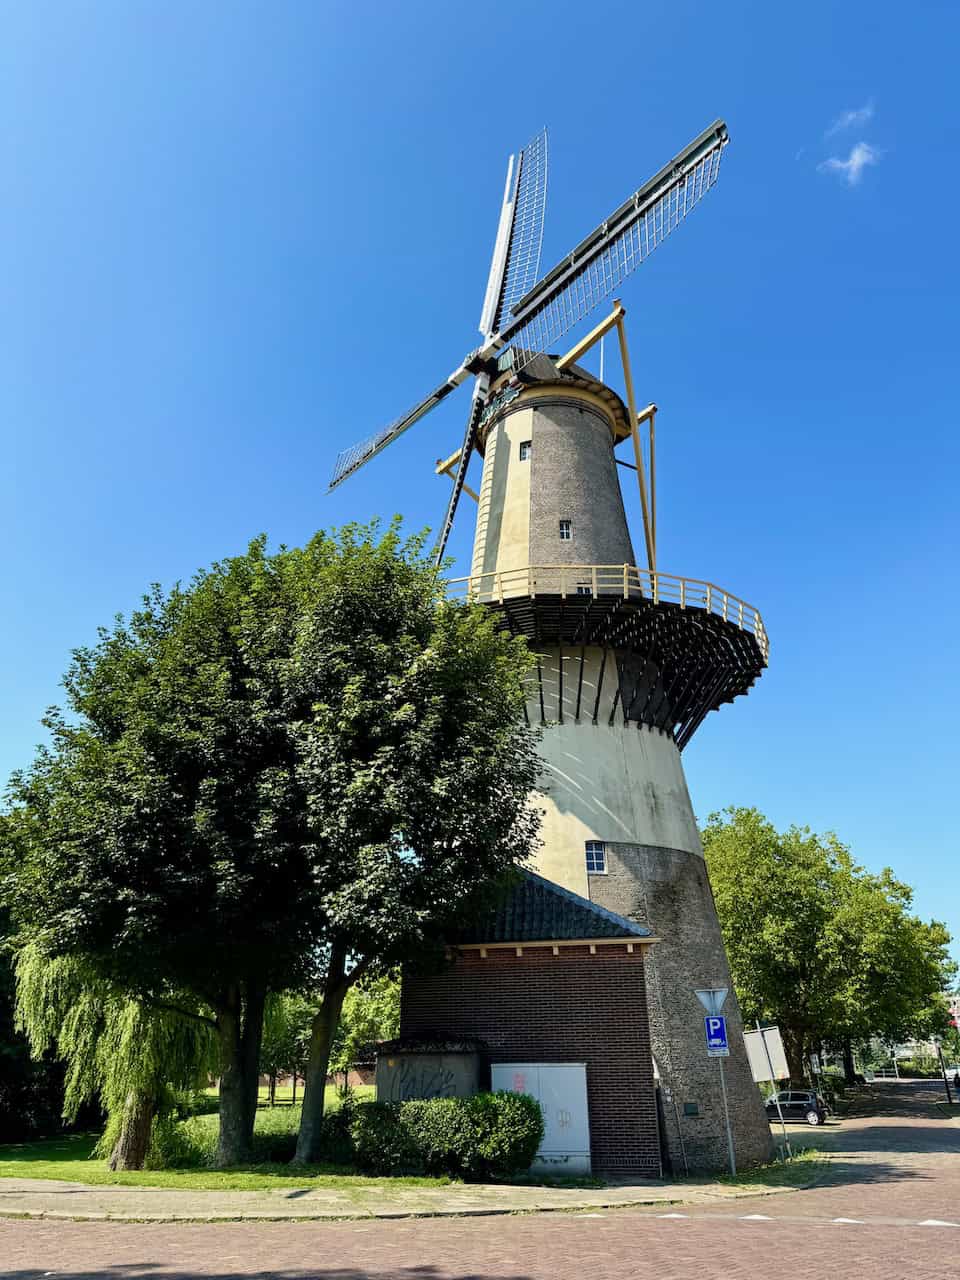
x: 715, y: 1027
x: 776, y: 1090
x: 943, y: 1072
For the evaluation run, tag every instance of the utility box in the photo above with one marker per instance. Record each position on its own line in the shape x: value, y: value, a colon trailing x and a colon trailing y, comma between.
x: 561, y: 1090
x: 427, y: 1067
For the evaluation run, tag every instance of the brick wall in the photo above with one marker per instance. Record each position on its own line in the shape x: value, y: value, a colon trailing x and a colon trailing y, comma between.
x: 570, y: 1007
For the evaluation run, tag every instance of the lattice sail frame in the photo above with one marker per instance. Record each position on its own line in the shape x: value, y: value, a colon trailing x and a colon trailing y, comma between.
x: 544, y: 316
x: 526, y: 243
x: 350, y: 460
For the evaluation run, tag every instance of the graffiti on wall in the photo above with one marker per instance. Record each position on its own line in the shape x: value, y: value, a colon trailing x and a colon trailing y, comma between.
x: 413, y: 1078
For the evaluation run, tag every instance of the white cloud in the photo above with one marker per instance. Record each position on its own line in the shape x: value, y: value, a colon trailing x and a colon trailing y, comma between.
x: 849, y: 119
x: 851, y: 169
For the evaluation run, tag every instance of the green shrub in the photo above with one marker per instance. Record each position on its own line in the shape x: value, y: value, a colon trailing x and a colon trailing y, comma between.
x: 381, y: 1143
x: 181, y: 1144
x: 491, y: 1135
x: 445, y: 1135
x: 194, y: 1102
x: 192, y: 1143
x: 509, y: 1128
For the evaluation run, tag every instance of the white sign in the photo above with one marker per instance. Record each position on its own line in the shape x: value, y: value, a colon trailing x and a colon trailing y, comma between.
x: 712, y: 999
x: 815, y: 1063
x: 759, y: 1064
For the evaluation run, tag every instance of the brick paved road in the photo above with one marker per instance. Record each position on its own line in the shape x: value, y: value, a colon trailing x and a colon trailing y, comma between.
x: 895, y: 1170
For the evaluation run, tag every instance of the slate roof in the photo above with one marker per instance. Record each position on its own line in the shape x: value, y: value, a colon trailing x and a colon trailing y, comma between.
x: 537, y: 910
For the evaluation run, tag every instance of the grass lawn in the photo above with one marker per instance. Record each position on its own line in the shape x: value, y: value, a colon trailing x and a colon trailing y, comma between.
x: 284, y: 1094
x: 69, y: 1159
x: 803, y: 1167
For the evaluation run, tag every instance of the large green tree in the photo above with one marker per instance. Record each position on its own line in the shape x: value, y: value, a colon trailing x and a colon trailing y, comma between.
x: 817, y: 944
x: 293, y: 772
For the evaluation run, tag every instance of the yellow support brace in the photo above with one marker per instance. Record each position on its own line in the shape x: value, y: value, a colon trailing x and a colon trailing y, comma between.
x: 594, y: 336
x: 445, y: 467
x: 637, y: 450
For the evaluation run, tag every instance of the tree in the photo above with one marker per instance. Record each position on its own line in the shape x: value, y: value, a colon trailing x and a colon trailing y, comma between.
x: 371, y: 1012
x: 125, y: 1054
x: 294, y: 772
x: 827, y: 950
x: 286, y: 1033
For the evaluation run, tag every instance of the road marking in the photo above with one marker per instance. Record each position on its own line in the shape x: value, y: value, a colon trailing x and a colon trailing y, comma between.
x: 593, y: 1215
x: 858, y: 1221
x: 937, y: 1222
x: 673, y: 1215
x: 754, y: 1217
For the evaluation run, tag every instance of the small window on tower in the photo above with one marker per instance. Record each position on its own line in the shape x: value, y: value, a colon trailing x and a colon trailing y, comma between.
x: 596, y: 857
x: 525, y: 447
x: 566, y: 531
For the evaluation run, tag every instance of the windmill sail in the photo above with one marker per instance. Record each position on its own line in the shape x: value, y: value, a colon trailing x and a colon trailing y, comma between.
x: 523, y: 259
x: 595, y: 268
x: 480, y: 388
x: 531, y: 317
x: 516, y: 251
x: 352, y: 459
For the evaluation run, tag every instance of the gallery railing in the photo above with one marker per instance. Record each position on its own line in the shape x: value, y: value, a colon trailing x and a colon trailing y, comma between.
x: 625, y: 580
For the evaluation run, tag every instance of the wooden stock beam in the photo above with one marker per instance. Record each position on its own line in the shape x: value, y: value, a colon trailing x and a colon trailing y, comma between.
x: 445, y: 467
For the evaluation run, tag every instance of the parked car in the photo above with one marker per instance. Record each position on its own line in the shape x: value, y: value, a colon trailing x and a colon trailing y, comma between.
x: 798, y: 1104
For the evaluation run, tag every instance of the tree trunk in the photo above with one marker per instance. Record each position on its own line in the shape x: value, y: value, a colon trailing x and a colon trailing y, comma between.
x: 240, y: 1028
x: 322, y: 1031
x: 849, y: 1066
x: 793, y: 1048
x: 273, y: 1090
x: 294, y: 1088
x: 130, y: 1150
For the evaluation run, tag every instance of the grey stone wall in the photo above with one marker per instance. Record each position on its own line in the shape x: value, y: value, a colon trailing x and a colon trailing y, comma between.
x: 574, y: 477
x: 668, y: 890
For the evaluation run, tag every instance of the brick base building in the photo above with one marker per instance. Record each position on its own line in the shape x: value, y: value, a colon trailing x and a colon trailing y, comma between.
x: 552, y: 978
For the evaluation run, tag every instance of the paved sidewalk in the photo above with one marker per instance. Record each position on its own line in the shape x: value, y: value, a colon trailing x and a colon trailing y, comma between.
x: 34, y: 1198
x: 893, y: 1137
x: 889, y: 1207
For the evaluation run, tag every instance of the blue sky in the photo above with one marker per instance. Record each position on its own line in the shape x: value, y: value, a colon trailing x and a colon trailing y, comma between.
x: 235, y: 238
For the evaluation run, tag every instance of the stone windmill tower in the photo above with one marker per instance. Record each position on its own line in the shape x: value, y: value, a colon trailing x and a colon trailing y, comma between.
x: 630, y: 660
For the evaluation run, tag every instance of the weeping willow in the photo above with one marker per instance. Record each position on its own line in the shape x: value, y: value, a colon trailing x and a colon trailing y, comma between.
x: 129, y: 1055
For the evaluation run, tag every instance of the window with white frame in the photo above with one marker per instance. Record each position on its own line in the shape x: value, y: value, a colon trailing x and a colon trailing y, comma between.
x: 525, y: 447
x: 596, y: 857
x: 584, y: 589
x: 566, y: 531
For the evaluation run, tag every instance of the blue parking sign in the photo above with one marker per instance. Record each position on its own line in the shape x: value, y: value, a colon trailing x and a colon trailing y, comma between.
x: 716, y: 1029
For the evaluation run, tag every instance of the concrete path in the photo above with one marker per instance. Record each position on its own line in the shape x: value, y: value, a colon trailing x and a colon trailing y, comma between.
x: 33, y: 1198
x: 890, y: 1208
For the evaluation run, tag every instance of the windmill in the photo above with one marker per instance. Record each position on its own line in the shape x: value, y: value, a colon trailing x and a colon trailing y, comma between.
x: 628, y: 660
x: 528, y: 315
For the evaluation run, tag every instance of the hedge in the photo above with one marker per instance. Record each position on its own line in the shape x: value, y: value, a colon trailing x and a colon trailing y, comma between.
x: 490, y: 1135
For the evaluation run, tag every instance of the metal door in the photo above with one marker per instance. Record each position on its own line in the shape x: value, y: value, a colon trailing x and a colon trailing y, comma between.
x: 561, y: 1090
